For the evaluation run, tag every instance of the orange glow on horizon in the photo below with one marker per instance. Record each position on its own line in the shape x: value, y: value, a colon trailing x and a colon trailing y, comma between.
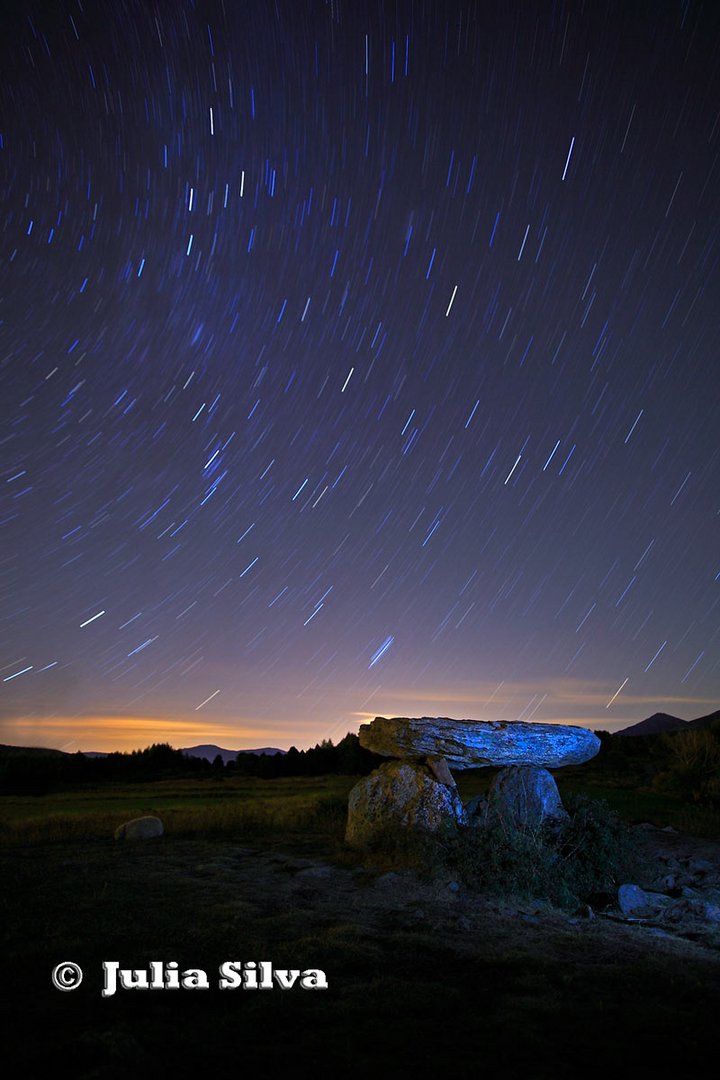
x: 110, y: 733
x: 551, y: 701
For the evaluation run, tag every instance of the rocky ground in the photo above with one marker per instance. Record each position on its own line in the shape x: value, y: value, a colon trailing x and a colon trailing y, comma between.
x: 678, y: 894
x: 421, y: 973
x: 676, y: 897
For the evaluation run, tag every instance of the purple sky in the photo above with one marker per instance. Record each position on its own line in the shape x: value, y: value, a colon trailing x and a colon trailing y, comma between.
x: 356, y: 359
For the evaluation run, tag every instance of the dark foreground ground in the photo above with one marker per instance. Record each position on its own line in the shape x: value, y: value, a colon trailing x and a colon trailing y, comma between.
x: 422, y: 980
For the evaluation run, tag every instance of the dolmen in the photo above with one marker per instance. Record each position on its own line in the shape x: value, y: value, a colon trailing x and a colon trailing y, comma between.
x: 416, y: 790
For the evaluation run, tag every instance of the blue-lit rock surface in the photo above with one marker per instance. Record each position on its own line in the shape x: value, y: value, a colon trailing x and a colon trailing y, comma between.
x: 400, y: 795
x: 526, y: 796
x: 472, y: 744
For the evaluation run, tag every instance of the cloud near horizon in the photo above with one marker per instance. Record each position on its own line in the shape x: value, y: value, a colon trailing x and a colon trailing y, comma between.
x: 560, y: 701
x: 108, y: 733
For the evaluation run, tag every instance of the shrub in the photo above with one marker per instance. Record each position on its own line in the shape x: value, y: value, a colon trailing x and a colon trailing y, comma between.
x: 692, y: 765
x: 564, y: 863
x: 595, y: 848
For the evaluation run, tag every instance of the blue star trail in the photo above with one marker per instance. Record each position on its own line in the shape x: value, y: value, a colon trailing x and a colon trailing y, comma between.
x: 324, y: 319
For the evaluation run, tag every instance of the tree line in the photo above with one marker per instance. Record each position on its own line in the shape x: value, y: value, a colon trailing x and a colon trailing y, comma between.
x: 685, y: 764
x: 35, y: 771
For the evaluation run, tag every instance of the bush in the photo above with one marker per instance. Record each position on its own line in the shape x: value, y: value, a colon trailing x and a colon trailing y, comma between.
x: 564, y: 863
x: 596, y: 849
x: 692, y: 765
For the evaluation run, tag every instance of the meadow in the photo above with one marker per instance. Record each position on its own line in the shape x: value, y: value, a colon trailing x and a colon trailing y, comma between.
x: 423, y: 975
x: 306, y: 809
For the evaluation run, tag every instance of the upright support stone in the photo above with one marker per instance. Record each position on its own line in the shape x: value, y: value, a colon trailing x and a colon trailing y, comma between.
x: 440, y: 769
x: 526, y: 795
x: 400, y: 795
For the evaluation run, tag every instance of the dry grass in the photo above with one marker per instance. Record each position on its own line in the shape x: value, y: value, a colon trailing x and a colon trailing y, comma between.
x: 258, y: 817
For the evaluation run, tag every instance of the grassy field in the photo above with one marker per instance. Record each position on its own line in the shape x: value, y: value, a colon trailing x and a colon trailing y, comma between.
x: 191, y: 808
x: 632, y: 804
x: 421, y: 977
x: 187, y: 807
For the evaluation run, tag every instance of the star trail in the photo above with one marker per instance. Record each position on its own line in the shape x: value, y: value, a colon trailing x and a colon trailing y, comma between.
x: 356, y: 359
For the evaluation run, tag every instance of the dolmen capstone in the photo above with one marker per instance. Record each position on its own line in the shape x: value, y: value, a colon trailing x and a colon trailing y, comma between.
x: 417, y: 790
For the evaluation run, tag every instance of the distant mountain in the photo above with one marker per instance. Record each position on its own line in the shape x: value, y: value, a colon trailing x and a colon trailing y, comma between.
x: 30, y: 751
x: 656, y: 724
x: 705, y: 721
x: 210, y: 752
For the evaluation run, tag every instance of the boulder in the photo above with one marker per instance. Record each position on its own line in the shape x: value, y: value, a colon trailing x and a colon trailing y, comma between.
x: 526, y: 795
x: 141, y: 828
x: 639, y: 903
x: 632, y: 900
x: 401, y: 795
x: 472, y: 744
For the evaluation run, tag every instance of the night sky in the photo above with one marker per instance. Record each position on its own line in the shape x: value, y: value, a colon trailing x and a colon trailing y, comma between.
x: 356, y: 359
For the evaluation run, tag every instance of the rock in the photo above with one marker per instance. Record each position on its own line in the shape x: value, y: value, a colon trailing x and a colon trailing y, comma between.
x: 390, y: 878
x: 638, y: 903
x: 476, y: 810
x: 667, y: 883
x: 632, y: 900
x: 400, y: 795
x: 702, y: 867
x: 468, y: 744
x: 712, y: 912
x: 141, y: 828
x: 440, y: 769
x: 322, y: 872
x: 694, y: 909
x: 526, y: 795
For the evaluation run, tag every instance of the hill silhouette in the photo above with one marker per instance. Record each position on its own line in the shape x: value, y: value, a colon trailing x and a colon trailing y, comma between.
x: 661, y: 722
x: 656, y: 724
x: 30, y: 751
x: 705, y: 721
x: 209, y: 752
